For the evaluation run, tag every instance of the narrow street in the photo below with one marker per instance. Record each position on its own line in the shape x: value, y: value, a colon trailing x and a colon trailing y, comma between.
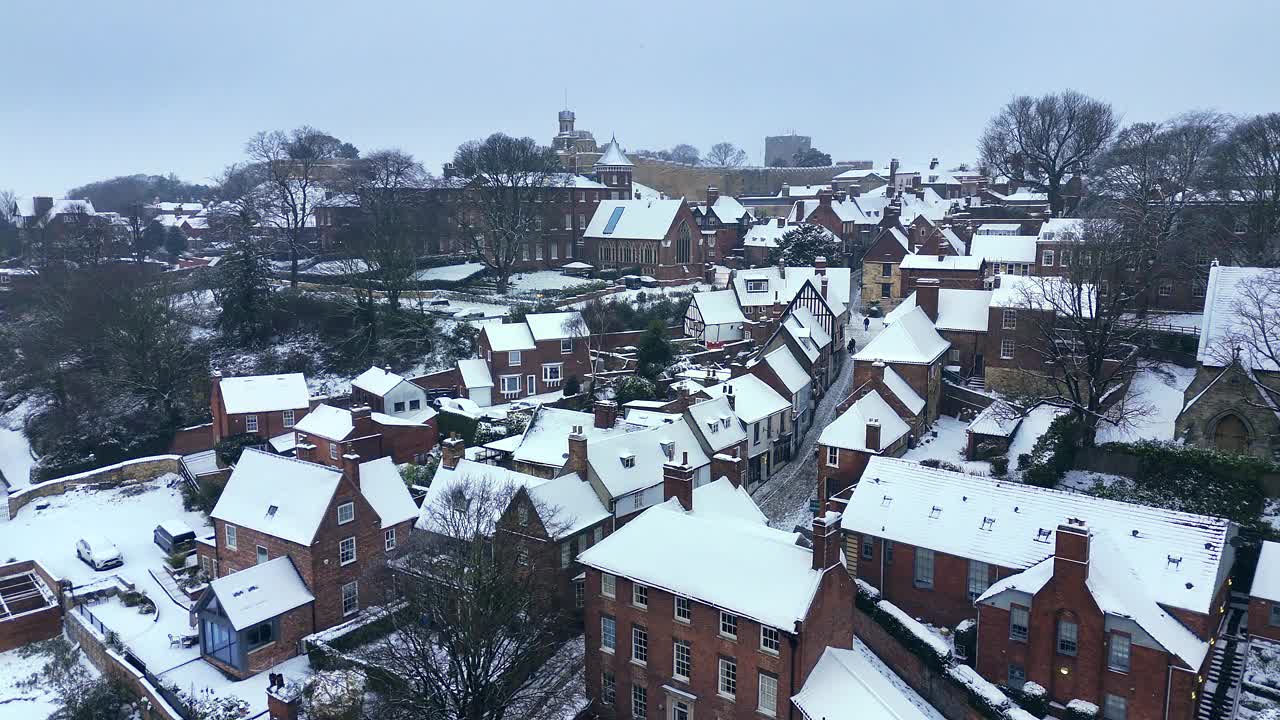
x: 785, y: 497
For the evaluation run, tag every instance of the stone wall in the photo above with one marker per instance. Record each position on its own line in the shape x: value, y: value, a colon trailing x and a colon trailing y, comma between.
x: 138, y: 470
x: 112, y: 664
x: 691, y: 181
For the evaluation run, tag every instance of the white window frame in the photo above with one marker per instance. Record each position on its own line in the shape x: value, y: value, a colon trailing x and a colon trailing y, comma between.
x: 639, y: 702
x: 640, y: 644
x: 757, y: 285
x: 1118, y: 661
x: 682, y: 602
x: 513, y: 358
x: 606, y: 643
x: 343, y: 545
x: 1009, y: 319
x: 505, y: 382
x: 1007, y: 348
x: 978, y: 580
x: 608, y: 687
x: 546, y: 373
x: 923, y: 568
x: 1019, y: 631
x: 770, y: 640
x: 1060, y: 636
x: 1165, y: 288
x: 676, y: 645
x: 767, y: 694
x: 353, y: 597
x: 728, y: 620
x: 1110, y: 712
x: 262, y: 554
x: 389, y: 539
x: 287, y: 417
x: 350, y: 507
x: 833, y: 456
x: 566, y: 554
x: 609, y: 585
x: 566, y: 346
x: 333, y: 450
x: 229, y: 536
x: 640, y: 596
x: 727, y: 677
x: 251, y: 423
x: 1046, y: 258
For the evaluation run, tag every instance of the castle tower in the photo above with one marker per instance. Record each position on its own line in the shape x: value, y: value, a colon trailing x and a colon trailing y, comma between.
x: 614, y: 169
x: 566, y: 121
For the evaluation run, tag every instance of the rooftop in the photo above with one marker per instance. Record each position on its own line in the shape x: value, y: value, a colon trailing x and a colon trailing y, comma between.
x: 261, y: 592
x: 910, y: 339
x: 264, y: 393
x: 278, y: 496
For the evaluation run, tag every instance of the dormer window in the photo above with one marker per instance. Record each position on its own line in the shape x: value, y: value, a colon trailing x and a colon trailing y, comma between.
x: 628, y: 461
x: 669, y: 449
x: 757, y: 286
x: 713, y: 426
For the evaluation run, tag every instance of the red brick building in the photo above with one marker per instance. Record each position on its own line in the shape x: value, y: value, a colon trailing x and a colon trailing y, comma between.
x: 295, y: 545
x: 697, y: 609
x: 1108, y: 602
x: 328, y: 434
x: 266, y: 405
x: 915, y: 352
x: 723, y: 222
x: 657, y: 238
x: 536, y: 355
x: 1264, y: 596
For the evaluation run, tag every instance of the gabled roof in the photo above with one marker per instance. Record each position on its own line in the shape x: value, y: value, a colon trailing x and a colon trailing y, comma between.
x: 784, y: 364
x: 328, y: 422
x: 722, y: 498
x: 475, y: 373
x: 714, y: 560
x: 1180, y: 558
x: 634, y: 219
x: 260, y: 592
x: 810, y: 323
x: 382, y: 486
x: 719, y: 307
x: 1266, y: 580
x: 1223, y: 321
x: 957, y: 309
x: 495, y: 482
x: 556, y: 326
x: 647, y: 450
x: 910, y: 339
x: 849, y: 431
x: 1058, y: 229
x: 1033, y: 292
x: 999, y: 419
x: 754, y: 400
x: 1004, y: 248
x: 612, y: 156
x: 856, y: 685
x: 571, y: 501
x: 546, y: 440
x: 277, y: 496
x: 782, y: 287
x: 902, y: 390
x: 717, y: 423
x: 919, y: 261
x: 377, y: 381
x: 728, y: 210
x: 508, y: 336
x: 264, y: 393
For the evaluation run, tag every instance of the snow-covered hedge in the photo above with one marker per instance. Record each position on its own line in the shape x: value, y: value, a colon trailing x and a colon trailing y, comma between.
x: 1081, y: 710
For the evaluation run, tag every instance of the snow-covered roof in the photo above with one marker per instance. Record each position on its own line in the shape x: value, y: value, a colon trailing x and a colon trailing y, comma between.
x: 856, y: 685
x: 807, y: 321
x: 264, y: 393
x: 508, y: 336
x: 382, y: 486
x: 1058, y: 229
x: 1266, y: 580
x: 957, y: 309
x: 1178, y: 557
x: 1041, y: 293
x: 546, y: 440
x: 27, y: 208
x: 902, y: 390
x: 714, y: 560
x: 999, y: 228
x: 765, y: 234
x: 754, y: 400
x: 556, y: 326
x: 644, y: 192
x: 999, y: 419
x: 910, y: 339
x: 1227, y: 294
x: 261, y: 592
x: 633, y: 461
x: 475, y: 373
x: 571, y: 502
x: 728, y: 210
x: 328, y: 422
x: 377, y: 381
x: 1004, y: 248
x: 942, y: 262
x: 277, y: 496
x: 802, y: 190
x: 633, y: 219
x: 717, y: 423
x: 493, y: 481
x: 722, y: 498
x: 784, y: 364
x: 801, y: 335
x: 612, y: 156
x: 849, y: 431
x: 719, y: 307
x: 783, y: 287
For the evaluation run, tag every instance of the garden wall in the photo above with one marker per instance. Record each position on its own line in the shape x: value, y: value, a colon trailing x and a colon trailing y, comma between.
x: 957, y: 400
x: 34, y: 625
x: 111, y: 663
x: 1112, y: 461
x: 147, y: 468
x: 197, y: 438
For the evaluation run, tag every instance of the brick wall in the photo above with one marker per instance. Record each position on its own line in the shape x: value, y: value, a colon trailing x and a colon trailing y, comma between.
x: 147, y: 468
x: 1260, y: 619
x: 192, y: 440
x: 111, y: 664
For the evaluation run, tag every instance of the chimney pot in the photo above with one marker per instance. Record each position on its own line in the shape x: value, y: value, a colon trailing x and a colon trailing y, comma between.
x: 873, y: 435
x: 606, y: 414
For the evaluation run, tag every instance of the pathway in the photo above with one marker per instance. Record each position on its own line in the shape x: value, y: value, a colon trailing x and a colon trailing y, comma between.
x: 785, y: 497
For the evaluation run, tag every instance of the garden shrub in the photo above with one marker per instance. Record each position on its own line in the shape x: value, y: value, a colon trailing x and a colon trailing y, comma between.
x: 230, y: 448
x: 999, y: 465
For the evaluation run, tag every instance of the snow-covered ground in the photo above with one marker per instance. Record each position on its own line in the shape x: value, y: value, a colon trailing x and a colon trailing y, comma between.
x: 545, y: 280
x: 949, y: 446
x: 25, y: 704
x: 1083, y: 480
x: 16, y: 457
x: 1159, y: 390
x: 450, y: 273
x: 1262, y: 667
x: 1035, y: 424
x: 636, y: 297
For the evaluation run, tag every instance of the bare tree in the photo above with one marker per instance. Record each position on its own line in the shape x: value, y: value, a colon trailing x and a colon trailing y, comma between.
x: 291, y: 166
x: 1041, y: 141
x: 1077, y: 337
x: 726, y: 154
x: 138, y: 218
x: 1247, y: 175
x: 1252, y: 339
x: 502, y: 180
x: 478, y: 637
x: 10, y: 244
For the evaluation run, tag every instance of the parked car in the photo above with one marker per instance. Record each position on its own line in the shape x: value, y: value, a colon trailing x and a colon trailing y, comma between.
x: 174, y: 536
x: 98, y: 552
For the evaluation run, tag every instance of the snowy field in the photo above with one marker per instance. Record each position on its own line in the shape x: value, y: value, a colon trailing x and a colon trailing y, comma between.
x: 26, y: 704
x: 15, y: 452
x: 1159, y: 389
x: 545, y: 280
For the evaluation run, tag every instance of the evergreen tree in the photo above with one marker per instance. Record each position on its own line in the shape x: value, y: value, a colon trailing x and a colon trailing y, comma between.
x: 175, y: 241
x: 654, y: 351
x: 803, y: 244
x: 243, y: 290
x: 152, y: 238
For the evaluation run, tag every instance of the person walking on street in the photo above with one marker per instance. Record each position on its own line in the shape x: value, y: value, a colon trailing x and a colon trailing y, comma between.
x: 853, y: 346
x: 866, y: 324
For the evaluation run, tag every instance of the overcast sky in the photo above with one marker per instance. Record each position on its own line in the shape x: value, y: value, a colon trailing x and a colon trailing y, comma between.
x: 103, y: 89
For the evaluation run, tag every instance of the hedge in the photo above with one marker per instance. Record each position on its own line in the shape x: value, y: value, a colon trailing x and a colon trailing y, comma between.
x: 1053, y: 454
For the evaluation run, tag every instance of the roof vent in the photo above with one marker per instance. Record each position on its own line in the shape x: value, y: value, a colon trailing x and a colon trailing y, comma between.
x: 1174, y: 562
x: 987, y: 523
x: 1190, y: 585
x: 1042, y: 535
x: 935, y: 512
x: 1134, y: 533
x: 271, y: 511
x: 886, y: 501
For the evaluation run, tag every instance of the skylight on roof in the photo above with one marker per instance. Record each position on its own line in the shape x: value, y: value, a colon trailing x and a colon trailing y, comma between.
x: 271, y: 511
x: 935, y: 512
x: 1042, y: 535
x: 614, y: 217
x: 886, y: 501
x: 988, y: 523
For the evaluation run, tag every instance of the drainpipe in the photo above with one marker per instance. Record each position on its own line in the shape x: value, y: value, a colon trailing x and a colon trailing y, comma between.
x: 1168, y: 690
x: 792, y: 638
x: 882, y: 585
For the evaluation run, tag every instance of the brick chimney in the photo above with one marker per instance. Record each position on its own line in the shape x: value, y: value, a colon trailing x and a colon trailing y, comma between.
x: 282, y: 703
x: 893, y: 177
x: 351, y: 467
x: 1071, y: 553
x: 786, y: 190
x: 782, y: 222
x: 873, y: 434
x: 677, y: 482
x: 606, y: 412
x: 826, y: 541
x: 577, y: 460
x: 453, y: 449
x: 927, y: 297
x: 728, y: 463
x: 824, y: 198
x: 824, y: 285
x: 713, y: 194
x: 728, y: 395
x: 933, y: 164
x: 362, y: 421
x: 820, y: 265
